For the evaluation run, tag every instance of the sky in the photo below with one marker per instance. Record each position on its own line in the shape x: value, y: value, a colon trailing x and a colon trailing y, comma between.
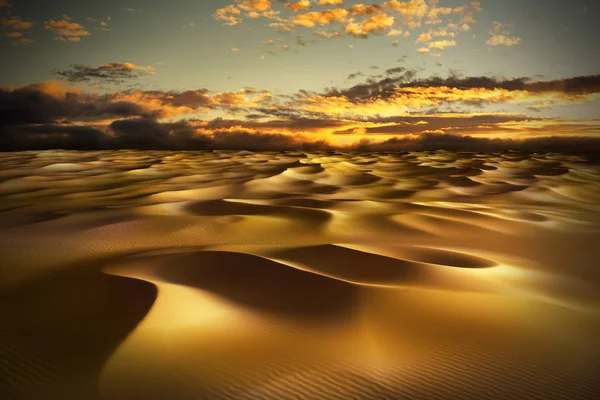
x: 318, y: 74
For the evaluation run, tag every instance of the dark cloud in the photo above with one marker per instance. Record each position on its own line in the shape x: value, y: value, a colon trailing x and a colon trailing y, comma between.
x: 36, y: 104
x: 142, y: 133
x: 421, y: 124
x: 124, y: 109
x: 110, y: 73
x: 395, y: 79
x: 147, y: 134
x: 292, y: 123
x: 576, y: 85
x: 264, y: 142
x: 189, y: 98
x: 354, y: 75
x: 53, y: 136
x: 375, y: 87
x: 395, y: 70
x: 436, y: 141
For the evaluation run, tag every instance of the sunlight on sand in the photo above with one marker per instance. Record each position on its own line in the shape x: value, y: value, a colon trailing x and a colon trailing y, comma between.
x: 239, y: 275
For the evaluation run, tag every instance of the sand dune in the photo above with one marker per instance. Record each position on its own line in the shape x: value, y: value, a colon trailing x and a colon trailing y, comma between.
x: 239, y: 275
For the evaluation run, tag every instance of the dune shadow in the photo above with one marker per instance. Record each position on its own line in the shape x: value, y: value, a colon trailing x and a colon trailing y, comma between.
x: 225, y: 208
x: 19, y: 219
x: 57, y: 333
x: 354, y: 265
x: 262, y: 284
x: 363, y: 267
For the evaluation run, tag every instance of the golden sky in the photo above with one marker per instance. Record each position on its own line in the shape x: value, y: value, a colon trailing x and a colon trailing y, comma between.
x: 301, y: 74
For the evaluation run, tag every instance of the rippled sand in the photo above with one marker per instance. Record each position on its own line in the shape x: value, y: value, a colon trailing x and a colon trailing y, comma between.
x: 236, y: 275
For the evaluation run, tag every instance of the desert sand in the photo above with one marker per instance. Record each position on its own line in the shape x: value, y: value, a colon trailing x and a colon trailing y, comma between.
x: 236, y: 275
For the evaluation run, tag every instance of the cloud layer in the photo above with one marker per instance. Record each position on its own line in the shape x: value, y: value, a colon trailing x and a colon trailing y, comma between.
x: 141, y: 133
x: 394, y: 109
x: 331, y: 19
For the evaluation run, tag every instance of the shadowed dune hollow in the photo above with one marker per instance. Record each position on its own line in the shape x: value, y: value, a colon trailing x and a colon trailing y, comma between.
x: 237, y: 275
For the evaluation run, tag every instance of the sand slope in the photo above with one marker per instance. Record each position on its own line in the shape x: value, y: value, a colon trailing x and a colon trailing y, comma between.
x: 238, y: 275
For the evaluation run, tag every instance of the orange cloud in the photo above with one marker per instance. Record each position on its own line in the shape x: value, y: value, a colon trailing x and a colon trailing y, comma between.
x: 300, y: 5
x: 254, y: 5
x: 66, y: 31
x: 500, y: 36
x: 376, y: 23
x: 359, y: 19
x: 228, y: 15
x: 15, y: 25
x: 331, y: 2
x: 442, y: 44
x: 325, y: 17
x: 328, y: 35
x: 363, y: 10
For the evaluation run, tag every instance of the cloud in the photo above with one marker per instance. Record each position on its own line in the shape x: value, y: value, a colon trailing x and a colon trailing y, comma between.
x: 403, y: 92
x: 330, y: 2
x: 13, y: 27
x: 432, y: 33
x: 228, y: 15
x: 392, y: 92
x: 328, y: 35
x: 377, y: 23
x: 449, y: 142
x: 16, y: 23
x: 577, y: 85
x: 364, y: 10
x: 392, y: 103
x: 49, y: 102
x: 53, y: 101
x: 100, y: 24
x: 255, y: 5
x: 300, y: 5
x: 375, y: 88
x: 50, y: 136
x: 500, y: 36
x: 325, y: 17
x: 442, y: 44
x: 143, y: 133
x: 65, y: 30
x: 404, y: 87
x: 392, y: 17
x: 449, y: 123
x: 110, y: 73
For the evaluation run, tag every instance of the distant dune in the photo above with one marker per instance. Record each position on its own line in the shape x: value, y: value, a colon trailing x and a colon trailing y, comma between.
x: 129, y: 275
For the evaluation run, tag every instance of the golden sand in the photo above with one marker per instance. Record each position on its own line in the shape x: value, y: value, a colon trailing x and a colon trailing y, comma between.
x: 237, y: 275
